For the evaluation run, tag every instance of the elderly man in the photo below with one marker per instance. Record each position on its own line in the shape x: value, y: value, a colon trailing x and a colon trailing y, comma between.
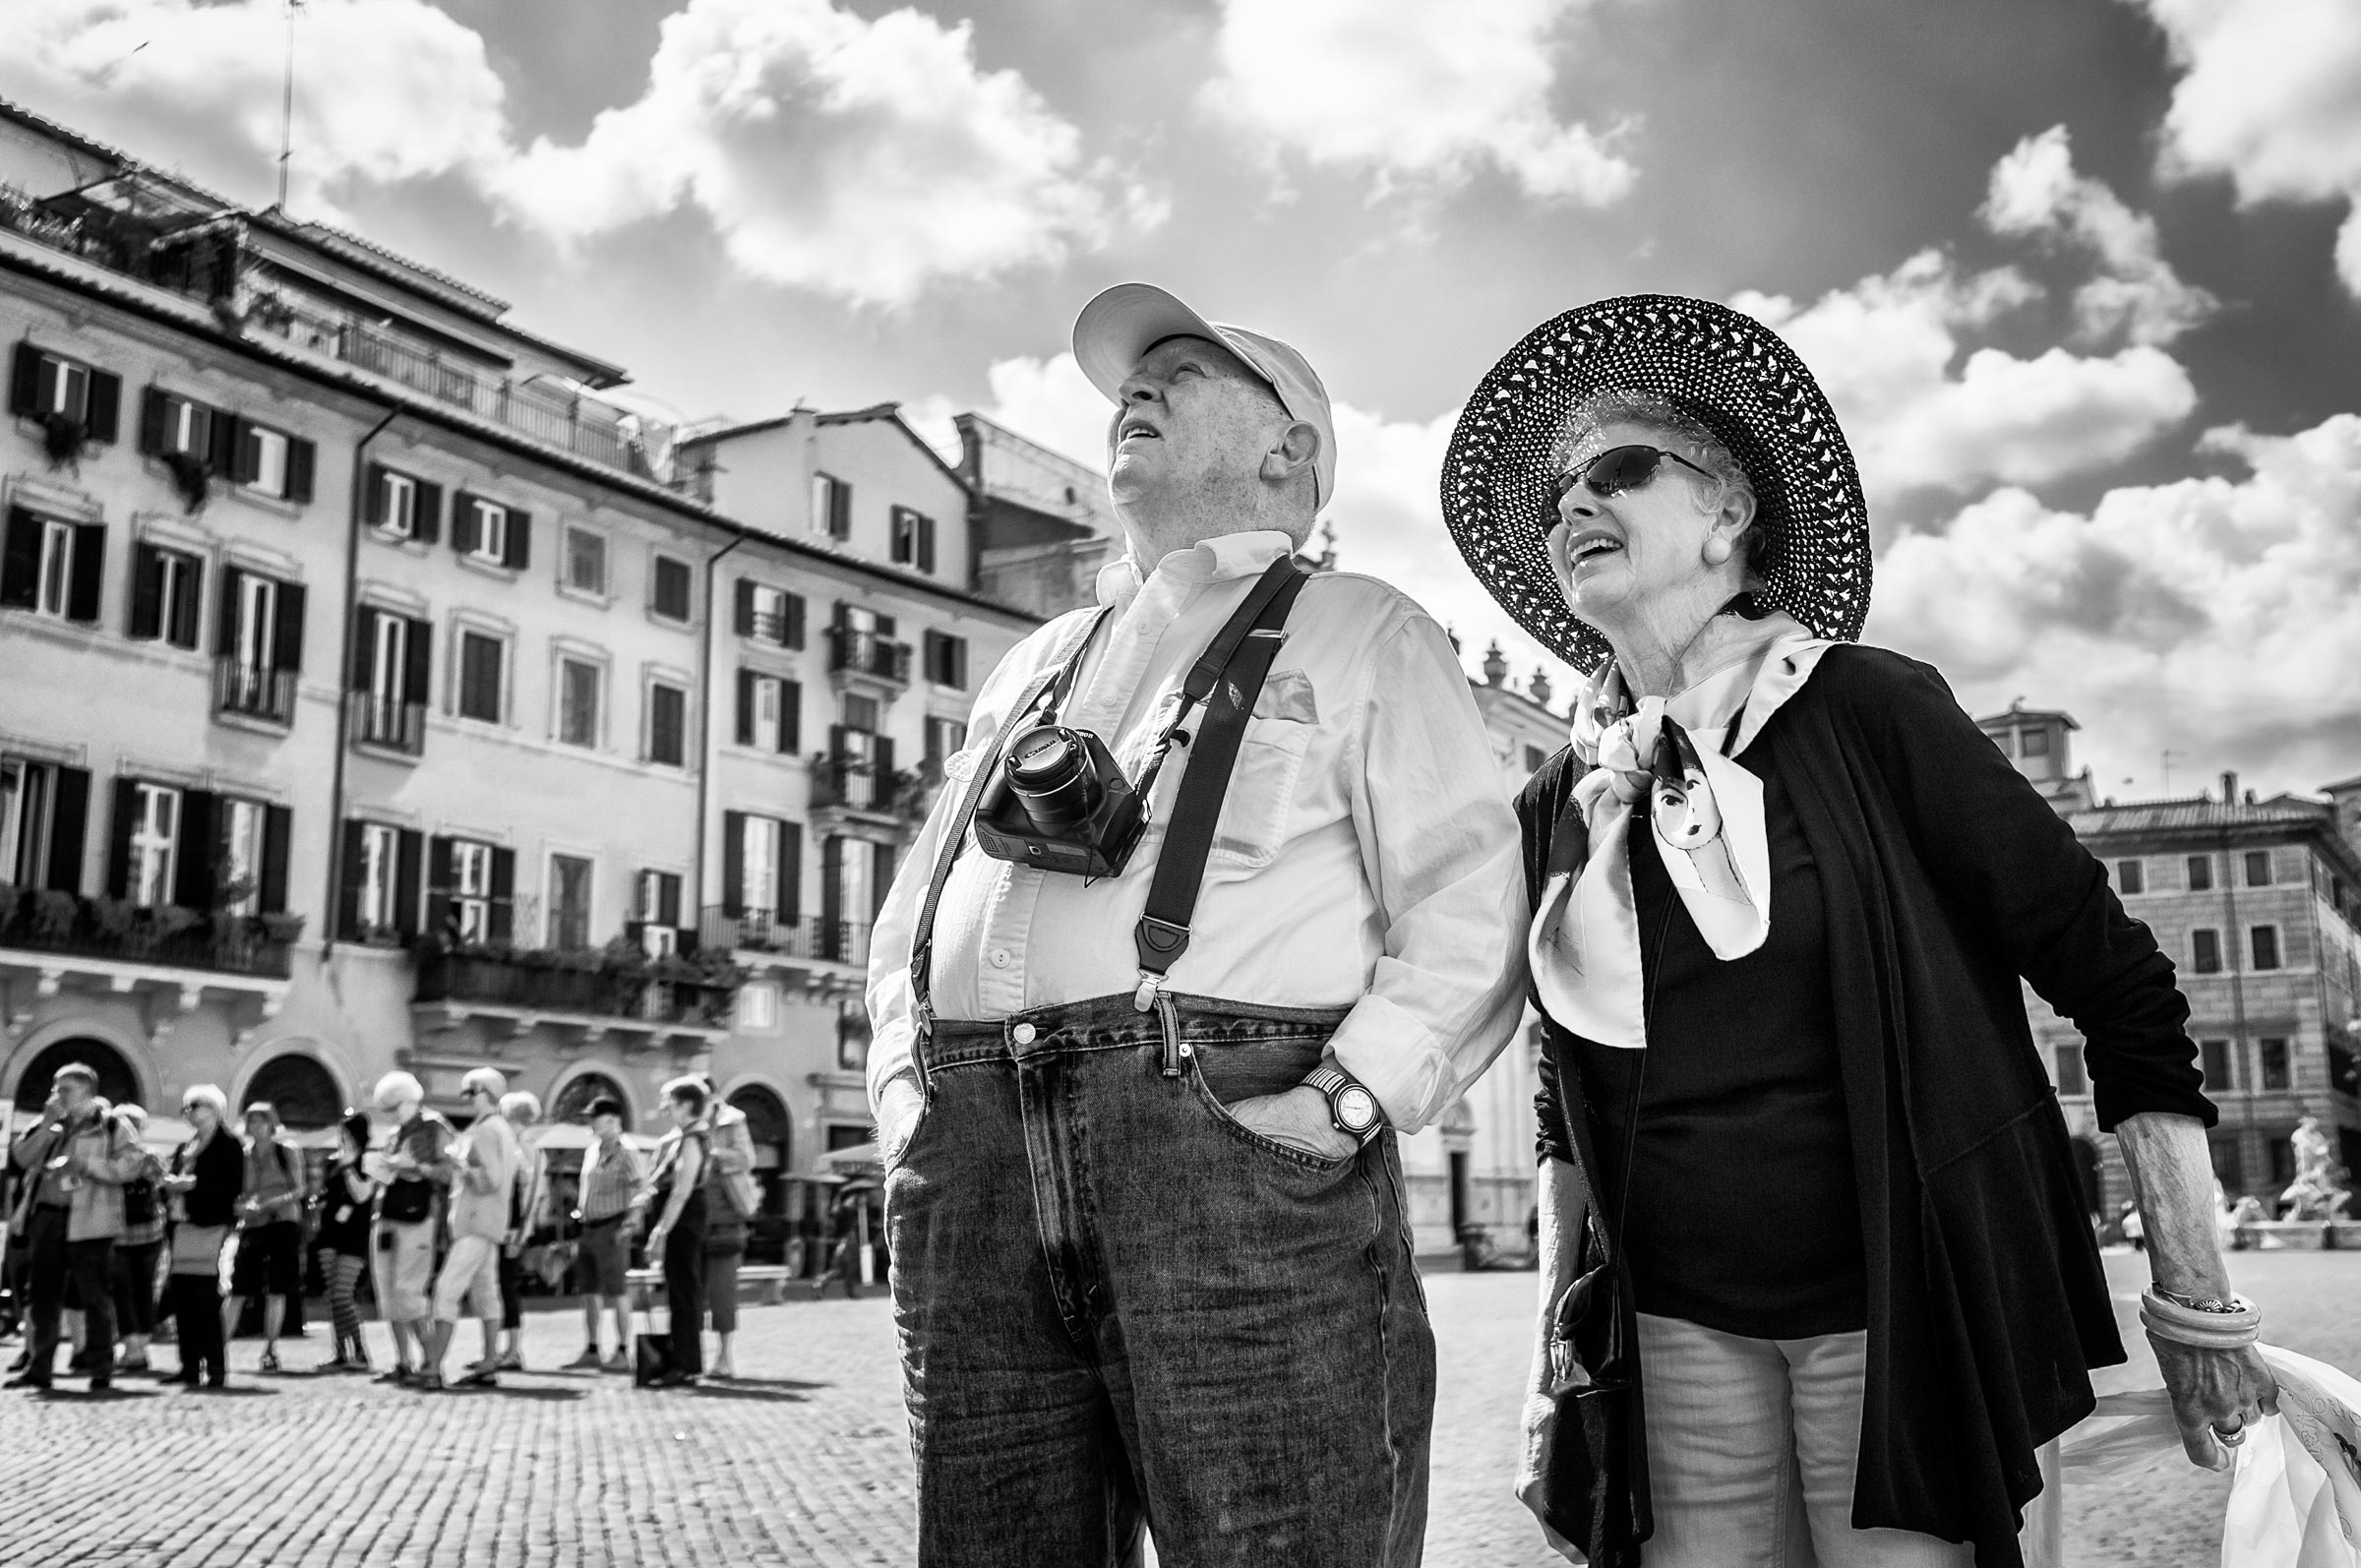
x: 78, y: 1157
x: 482, y: 1190
x: 610, y: 1180
x: 1150, y: 1254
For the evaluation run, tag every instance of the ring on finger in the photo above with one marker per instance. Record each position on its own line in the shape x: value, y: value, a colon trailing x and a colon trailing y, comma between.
x: 2230, y: 1437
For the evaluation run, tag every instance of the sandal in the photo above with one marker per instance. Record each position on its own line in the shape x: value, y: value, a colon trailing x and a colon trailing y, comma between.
x: 481, y: 1377
x: 270, y: 1360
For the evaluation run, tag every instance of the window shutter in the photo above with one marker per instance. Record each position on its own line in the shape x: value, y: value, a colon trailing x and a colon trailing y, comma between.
x: 418, y: 674
x: 155, y: 408
x: 286, y: 638
x: 147, y: 592
x: 407, y: 843
x: 733, y: 864
x: 227, y: 447
x: 504, y: 894
x: 426, y: 512
x: 250, y: 455
x: 362, y: 675
x: 881, y: 878
x: 90, y: 564
x: 746, y: 706
x: 886, y: 627
x: 791, y: 871
x: 926, y: 543
x: 881, y: 751
x: 105, y: 421
x: 302, y: 456
x: 197, y: 862
x: 69, y: 817
x: 668, y: 899
x: 25, y: 380
x: 118, y: 849
x: 20, y: 560
x: 959, y: 663
x: 745, y: 607
x: 278, y: 829
x: 791, y: 717
x: 840, y: 510
x: 373, y: 505
x: 440, y: 874
x: 831, y: 887
x: 520, y: 539
x: 182, y: 632
x: 350, y: 865
x: 465, y: 526
x: 226, y: 615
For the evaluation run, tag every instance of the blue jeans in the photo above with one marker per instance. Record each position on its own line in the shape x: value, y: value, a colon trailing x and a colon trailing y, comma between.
x: 1119, y: 1306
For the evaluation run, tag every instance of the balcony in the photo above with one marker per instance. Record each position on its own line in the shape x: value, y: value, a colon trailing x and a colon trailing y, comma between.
x: 618, y: 989
x: 774, y: 627
x: 267, y: 695
x: 166, y: 953
x: 855, y: 655
x: 852, y: 783
x: 375, y: 718
x: 761, y: 930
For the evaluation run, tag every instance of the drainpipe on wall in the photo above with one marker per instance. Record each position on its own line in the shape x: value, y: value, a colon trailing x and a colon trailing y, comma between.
x: 704, y: 726
x: 353, y: 579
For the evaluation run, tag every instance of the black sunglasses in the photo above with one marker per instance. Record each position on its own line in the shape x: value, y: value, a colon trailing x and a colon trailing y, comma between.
x: 1619, y: 468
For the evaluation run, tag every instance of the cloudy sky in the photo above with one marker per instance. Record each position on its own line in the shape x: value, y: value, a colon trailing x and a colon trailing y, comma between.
x: 2083, y: 277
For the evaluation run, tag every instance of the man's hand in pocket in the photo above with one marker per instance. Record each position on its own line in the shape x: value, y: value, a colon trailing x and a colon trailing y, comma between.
x: 1298, y: 1118
x: 898, y: 1108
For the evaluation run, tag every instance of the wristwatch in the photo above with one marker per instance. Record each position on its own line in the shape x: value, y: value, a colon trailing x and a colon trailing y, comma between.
x: 1350, y: 1106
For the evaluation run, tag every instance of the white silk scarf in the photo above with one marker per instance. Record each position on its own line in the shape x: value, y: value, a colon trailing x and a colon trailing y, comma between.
x: 1705, y: 819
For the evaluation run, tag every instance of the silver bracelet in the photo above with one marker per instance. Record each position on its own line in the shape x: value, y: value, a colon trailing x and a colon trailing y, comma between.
x: 2204, y: 1328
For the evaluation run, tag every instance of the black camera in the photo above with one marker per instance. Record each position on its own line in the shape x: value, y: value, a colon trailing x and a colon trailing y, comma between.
x: 1060, y: 802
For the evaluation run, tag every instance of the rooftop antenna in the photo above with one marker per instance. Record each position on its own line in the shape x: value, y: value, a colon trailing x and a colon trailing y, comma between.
x: 287, y: 106
x: 2167, y: 760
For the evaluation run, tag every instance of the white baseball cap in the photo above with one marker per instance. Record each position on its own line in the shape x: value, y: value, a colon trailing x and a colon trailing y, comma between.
x: 1125, y: 322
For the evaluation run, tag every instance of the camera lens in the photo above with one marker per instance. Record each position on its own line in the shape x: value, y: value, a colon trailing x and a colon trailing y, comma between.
x: 1049, y: 770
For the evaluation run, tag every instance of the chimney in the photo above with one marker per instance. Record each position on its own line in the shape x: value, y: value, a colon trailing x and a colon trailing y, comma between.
x: 2229, y: 787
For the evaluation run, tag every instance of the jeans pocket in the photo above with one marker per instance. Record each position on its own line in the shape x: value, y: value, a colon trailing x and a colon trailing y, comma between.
x: 894, y: 1152
x: 1300, y: 1159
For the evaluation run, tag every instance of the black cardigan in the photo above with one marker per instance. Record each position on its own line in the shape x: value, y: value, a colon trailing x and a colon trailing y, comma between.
x: 1947, y: 876
x: 220, y: 1169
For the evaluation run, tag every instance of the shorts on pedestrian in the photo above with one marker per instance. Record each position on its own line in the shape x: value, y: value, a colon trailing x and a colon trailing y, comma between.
x: 603, y: 1259
x: 270, y: 1260
x: 406, y: 1268
x: 471, y: 1279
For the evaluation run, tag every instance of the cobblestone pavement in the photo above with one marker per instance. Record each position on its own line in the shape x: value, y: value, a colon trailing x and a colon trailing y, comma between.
x: 804, y: 1461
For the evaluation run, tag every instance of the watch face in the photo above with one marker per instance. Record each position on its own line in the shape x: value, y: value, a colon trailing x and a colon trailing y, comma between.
x: 1357, y: 1109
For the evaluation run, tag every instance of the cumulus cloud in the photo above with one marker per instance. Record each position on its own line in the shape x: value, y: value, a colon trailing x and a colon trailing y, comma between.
x: 1425, y: 91
x: 2270, y: 94
x: 2216, y: 616
x: 1920, y: 417
x: 2035, y: 193
x: 867, y: 160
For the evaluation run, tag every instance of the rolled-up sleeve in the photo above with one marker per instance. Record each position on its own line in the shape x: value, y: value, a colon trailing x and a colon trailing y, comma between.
x: 1439, y: 847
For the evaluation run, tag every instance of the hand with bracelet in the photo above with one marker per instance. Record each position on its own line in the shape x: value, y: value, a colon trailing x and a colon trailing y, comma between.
x: 2204, y: 1334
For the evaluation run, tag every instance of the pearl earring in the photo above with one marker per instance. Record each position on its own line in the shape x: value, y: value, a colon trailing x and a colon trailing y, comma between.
x: 1716, y: 551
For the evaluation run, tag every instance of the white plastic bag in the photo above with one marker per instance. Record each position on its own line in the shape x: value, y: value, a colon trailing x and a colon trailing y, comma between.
x: 2295, y: 1483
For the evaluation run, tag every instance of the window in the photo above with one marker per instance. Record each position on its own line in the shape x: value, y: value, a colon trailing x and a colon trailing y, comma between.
x: 42, y: 810
x: 831, y: 506
x: 154, y: 844
x: 2033, y: 743
x: 667, y: 724
x: 264, y: 463
x: 761, y: 874
x: 2213, y: 1055
x: 2272, y: 1050
x: 377, y: 904
x: 946, y: 660
x: 757, y: 1005
x: 392, y: 670
x: 2131, y: 876
x: 2205, y: 951
x: 2265, y: 945
x: 2201, y: 873
x: 53, y: 567
x: 491, y: 533
x: 769, y: 712
x: 656, y: 911
x: 241, y: 863
x: 172, y: 426
x: 483, y: 659
x: 913, y: 540
x: 669, y: 588
x: 585, y: 562
x: 165, y: 588
x: 569, y: 901
x: 578, y: 702
x: 770, y: 615
x: 860, y: 712
x: 2257, y: 868
x: 404, y: 507
x: 45, y: 384
x: 2071, y: 1080
x: 943, y: 737
x: 470, y: 890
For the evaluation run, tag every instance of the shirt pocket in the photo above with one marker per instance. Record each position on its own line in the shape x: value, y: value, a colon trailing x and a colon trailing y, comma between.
x: 1270, y: 760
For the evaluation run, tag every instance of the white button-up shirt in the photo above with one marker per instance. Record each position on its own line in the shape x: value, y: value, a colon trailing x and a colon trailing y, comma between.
x: 1364, y: 854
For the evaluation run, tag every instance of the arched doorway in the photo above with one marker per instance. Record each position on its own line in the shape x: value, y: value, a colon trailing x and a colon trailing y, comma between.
x: 117, y: 1082
x: 300, y: 1090
x: 769, y: 1238
x: 579, y: 1094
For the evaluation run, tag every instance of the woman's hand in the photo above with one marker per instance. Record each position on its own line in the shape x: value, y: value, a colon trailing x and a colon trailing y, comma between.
x: 2215, y: 1393
x: 1533, y: 1465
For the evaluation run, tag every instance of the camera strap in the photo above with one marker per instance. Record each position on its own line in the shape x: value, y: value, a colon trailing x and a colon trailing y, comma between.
x: 1228, y: 679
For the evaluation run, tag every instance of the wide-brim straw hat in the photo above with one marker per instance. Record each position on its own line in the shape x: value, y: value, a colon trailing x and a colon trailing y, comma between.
x: 1726, y: 370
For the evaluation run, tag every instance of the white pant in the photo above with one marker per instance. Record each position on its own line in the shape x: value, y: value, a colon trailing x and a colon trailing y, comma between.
x: 471, y: 1278
x: 1751, y: 1448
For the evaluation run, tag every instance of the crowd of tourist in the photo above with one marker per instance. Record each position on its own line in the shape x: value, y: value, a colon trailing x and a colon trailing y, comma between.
x: 103, y: 1234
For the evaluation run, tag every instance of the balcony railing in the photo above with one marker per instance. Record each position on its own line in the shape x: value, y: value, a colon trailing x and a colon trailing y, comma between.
x: 376, y: 719
x: 771, y: 626
x: 586, y: 981
x: 856, y: 652
x: 751, y: 929
x: 49, y: 921
x: 853, y: 784
x: 240, y: 689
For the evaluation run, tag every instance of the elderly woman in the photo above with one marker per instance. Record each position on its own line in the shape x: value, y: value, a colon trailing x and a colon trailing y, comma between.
x: 523, y: 1109
x: 269, y: 1256
x: 203, y: 1184
x: 1817, y: 1280
x: 138, y: 1249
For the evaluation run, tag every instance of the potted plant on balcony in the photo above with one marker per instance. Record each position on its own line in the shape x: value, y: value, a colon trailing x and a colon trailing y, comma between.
x: 281, y: 927
x: 62, y: 438
x: 192, y: 478
x: 167, y: 921
x: 113, y: 918
x: 54, y: 913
